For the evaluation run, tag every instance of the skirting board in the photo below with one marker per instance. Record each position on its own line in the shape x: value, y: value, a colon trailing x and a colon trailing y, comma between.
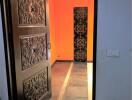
x: 67, y: 61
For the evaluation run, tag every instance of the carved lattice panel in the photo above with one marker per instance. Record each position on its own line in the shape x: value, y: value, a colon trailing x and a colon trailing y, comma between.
x: 31, y: 12
x: 33, y: 50
x: 80, y: 43
x: 36, y: 86
x: 81, y: 56
x: 80, y: 33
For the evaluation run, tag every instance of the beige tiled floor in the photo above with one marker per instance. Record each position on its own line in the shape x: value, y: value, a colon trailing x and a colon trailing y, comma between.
x: 76, y: 88
x: 59, y: 72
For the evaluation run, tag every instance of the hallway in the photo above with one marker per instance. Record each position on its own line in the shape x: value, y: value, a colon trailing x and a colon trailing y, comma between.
x: 71, y: 81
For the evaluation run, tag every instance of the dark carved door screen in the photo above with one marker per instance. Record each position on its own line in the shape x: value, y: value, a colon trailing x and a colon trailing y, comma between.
x: 31, y: 37
x: 80, y: 34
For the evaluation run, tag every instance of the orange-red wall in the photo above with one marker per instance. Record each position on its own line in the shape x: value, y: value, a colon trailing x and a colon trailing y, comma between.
x: 64, y: 33
x: 61, y: 28
x: 52, y: 32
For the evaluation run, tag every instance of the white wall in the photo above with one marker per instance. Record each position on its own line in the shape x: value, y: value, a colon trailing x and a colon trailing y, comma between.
x: 113, y: 73
x: 131, y: 49
x: 3, y: 81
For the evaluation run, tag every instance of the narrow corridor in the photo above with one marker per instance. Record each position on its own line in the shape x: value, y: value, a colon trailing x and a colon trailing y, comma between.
x: 70, y: 81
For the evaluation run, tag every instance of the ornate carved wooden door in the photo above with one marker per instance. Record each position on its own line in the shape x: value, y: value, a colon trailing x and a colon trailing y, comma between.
x: 80, y: 34
x: 31, y: 37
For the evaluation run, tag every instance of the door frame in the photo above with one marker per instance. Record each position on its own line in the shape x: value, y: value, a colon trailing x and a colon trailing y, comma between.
x: 9, y: 54
x: 95, y: 47
x: 8, y: 47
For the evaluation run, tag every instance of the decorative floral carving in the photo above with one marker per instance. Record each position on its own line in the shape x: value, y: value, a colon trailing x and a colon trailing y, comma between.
x: 80, y: 43
x: 31, y: 11
x: 80, y: 13
x: 36, y: 86
x: 33, y: 50
x: 80, y: 55
x: 80, y: 30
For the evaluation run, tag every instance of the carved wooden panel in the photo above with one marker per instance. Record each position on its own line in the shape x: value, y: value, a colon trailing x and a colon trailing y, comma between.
x: 36, y: 86
x: 80, y: 43
x: 31, y: 11
x: 80, y: 55
x: 80, y: 33
x: 33, y: 50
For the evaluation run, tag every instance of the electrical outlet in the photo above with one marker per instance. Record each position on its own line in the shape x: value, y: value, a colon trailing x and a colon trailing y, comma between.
x: 113, y: 53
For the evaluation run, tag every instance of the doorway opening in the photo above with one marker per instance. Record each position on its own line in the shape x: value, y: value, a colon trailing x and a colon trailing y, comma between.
x: 64, y: 46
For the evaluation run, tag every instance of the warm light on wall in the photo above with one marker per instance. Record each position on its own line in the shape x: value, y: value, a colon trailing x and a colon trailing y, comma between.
x: 64, y: 27
x: 62, y: 31
x: 52, y: 31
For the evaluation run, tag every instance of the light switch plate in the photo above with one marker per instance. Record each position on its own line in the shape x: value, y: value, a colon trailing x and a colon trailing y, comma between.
x: 113, y: 53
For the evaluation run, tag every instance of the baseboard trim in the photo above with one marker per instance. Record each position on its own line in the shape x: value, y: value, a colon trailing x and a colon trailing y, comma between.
x: 52, y: 65
x: 67, y: 61
x: 64, y: 60
x: 61, y: 61
x: 90, y: 61
x: 71, y: 61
